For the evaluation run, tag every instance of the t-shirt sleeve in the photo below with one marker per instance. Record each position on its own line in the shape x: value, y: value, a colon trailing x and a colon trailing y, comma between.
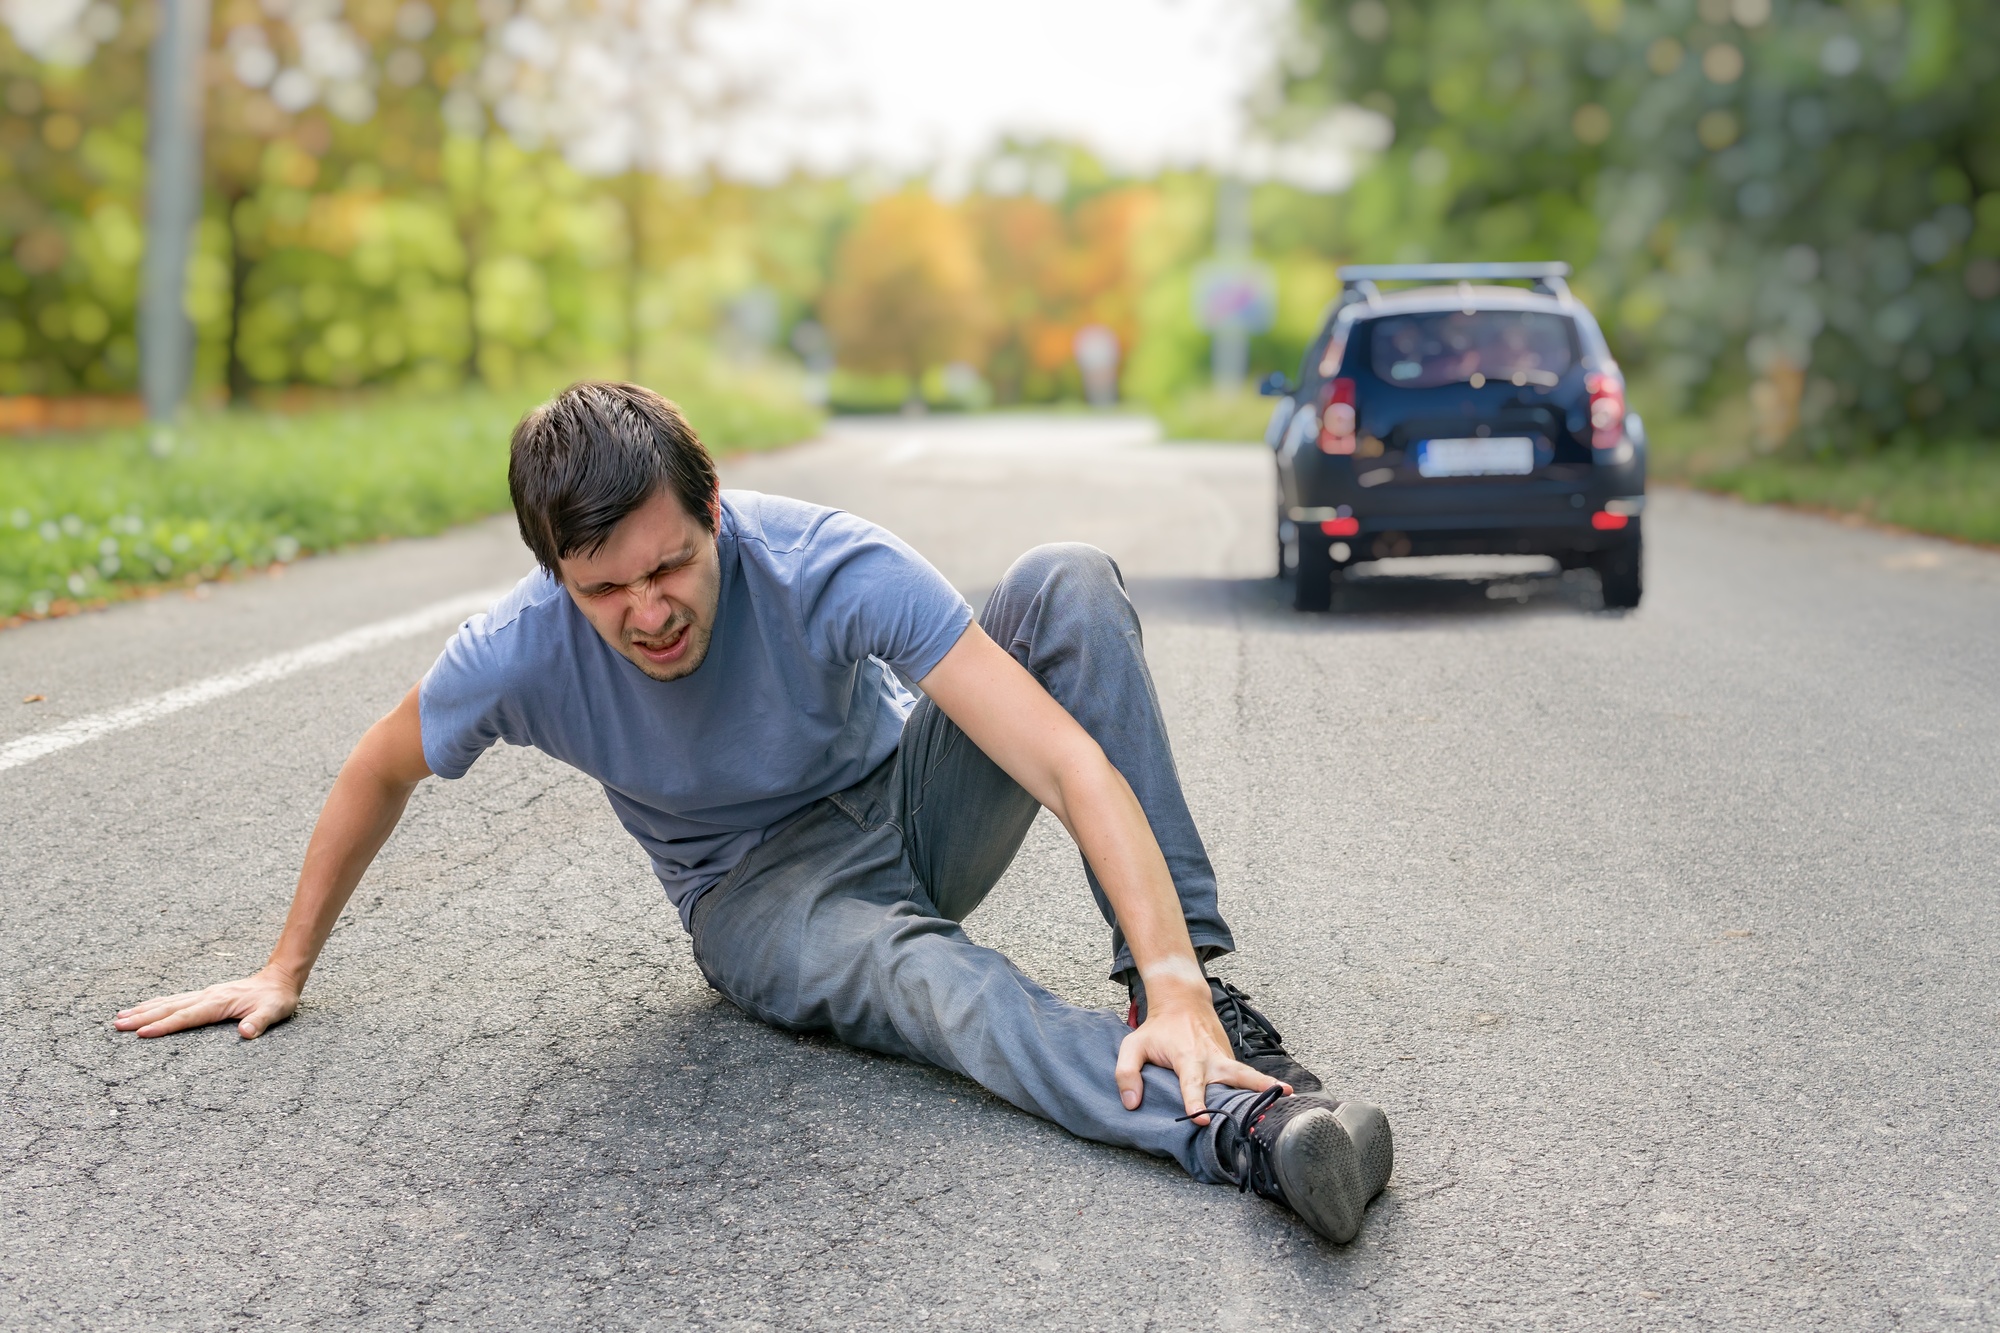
x: 462, y: 704
x: 863, y: 592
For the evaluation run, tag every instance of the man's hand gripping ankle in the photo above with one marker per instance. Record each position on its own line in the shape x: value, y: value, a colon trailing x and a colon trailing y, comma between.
x: 1182, y: 1033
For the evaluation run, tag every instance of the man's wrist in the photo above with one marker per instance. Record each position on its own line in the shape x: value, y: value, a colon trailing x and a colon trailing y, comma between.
x: 1174, y: 980
x: 290, y: 975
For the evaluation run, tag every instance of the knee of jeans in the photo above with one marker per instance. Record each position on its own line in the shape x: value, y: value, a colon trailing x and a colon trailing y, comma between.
x: 1076, y: 569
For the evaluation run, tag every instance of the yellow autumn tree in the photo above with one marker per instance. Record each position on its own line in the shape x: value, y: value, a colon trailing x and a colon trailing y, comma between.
x: 908, y: 291
x: 1053, y: 271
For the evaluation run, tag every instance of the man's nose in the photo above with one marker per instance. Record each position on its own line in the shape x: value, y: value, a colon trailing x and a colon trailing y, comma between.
x: 650, y: 609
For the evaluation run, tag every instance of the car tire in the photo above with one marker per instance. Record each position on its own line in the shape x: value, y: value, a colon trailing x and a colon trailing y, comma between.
x: 1313, y: 580
x: 1619, y: 570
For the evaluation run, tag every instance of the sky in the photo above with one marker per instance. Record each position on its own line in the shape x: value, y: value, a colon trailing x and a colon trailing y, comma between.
x: 909, y: 84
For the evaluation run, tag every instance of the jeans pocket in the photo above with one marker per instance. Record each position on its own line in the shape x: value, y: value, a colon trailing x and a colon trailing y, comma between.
x: 866, y: 803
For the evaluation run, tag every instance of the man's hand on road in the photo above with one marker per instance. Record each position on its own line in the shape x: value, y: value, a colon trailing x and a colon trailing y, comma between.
x: 257, y: 1003
x: 367, y: 799
x: 1182, y: 1033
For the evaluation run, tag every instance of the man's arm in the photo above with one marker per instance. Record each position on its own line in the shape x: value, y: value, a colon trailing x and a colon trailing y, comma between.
x: 1008, y: 715
x: 360, y: 813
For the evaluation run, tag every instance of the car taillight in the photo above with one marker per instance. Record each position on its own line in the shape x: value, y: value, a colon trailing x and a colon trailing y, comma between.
x: 1607, y: 410
x: 1336, y: 417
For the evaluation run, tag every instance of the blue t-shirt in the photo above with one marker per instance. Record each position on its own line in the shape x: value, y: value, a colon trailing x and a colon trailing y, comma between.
x: 795, y: 700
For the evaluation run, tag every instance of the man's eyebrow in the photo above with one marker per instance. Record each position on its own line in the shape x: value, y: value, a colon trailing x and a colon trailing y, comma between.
x: 667, y: 566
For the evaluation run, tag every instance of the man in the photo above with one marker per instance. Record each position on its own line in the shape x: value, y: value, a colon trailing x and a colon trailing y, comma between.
x: 727, y: 666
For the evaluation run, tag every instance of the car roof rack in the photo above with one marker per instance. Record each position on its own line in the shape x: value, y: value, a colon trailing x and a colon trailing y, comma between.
x: 1358, y: 280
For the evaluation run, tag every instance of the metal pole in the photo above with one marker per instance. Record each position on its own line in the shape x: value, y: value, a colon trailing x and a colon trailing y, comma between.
x: 1229, y: 351
x: 173, y: 203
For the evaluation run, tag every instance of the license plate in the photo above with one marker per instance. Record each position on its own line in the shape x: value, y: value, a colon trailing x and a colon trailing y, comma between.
x: 1498, y: 455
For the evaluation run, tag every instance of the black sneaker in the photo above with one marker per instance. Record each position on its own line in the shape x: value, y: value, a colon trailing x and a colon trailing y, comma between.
x: 1324, y: 1159
x: 1253, y: 1038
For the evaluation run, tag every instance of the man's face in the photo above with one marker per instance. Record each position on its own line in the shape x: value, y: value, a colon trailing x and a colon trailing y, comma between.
x: 652, y: 588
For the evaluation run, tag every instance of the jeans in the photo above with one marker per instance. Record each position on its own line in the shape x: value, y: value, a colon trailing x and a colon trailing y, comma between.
x: 845, y: 920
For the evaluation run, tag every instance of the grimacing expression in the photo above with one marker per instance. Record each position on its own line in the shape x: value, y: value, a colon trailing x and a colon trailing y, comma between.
x: 651, y: 590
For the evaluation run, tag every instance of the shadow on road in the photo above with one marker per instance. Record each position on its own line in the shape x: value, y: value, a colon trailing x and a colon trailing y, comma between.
x: 1375, y: 600
x: 786, y: 1172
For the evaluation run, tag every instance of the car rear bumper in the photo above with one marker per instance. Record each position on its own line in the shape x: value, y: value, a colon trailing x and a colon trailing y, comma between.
x: 1488, y: 532
x: 1551, y: 541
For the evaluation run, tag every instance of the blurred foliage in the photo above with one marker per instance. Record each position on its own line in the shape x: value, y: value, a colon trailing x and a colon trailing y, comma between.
x: 366, y: 222
x: 1950, y: 488
x: 908, y: 290
x: 1786, y: 212
x: 1001, y: 281
x: 1056, y: 265
x: 380, y: 214
x: 1791, y: 203
x: 86, y: 518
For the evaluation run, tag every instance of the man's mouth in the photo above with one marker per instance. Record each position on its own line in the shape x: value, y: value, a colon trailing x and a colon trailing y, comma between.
x: 666, y: 649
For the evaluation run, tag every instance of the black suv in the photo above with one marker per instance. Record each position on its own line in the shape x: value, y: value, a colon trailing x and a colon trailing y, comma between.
x: 1457, y: 419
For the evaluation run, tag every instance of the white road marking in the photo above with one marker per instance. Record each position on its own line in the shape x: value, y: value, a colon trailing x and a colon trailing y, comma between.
x: 276, y: 667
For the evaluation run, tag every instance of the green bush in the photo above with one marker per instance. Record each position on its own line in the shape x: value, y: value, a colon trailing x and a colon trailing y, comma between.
x: 88, y: 519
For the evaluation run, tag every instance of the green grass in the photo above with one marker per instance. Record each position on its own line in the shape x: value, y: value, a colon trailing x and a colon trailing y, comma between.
x: 1951, y: 490
x: 99, y: 516
x: 1203, y: 414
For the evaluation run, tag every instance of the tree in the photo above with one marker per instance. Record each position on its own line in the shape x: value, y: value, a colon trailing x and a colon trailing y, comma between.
x: 908, y: 291
x: 72, y: 196
x: 1052, y: 271
x: 1801, y: 199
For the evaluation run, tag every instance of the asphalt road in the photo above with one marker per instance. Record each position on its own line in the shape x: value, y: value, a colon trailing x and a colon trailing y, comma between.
x: 1668, y: 940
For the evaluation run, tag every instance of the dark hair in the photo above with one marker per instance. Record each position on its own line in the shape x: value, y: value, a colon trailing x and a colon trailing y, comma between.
x: 582, y: 461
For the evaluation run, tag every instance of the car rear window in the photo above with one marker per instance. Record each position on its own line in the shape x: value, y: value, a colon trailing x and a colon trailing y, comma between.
x: 1451, y: 346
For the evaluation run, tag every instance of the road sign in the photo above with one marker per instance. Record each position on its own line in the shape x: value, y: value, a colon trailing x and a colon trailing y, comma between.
x: 1235, y: 295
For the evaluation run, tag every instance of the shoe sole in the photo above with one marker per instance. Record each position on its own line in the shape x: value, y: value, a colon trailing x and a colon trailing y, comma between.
x: 1326, y: 1177
x: 1373, y: 1143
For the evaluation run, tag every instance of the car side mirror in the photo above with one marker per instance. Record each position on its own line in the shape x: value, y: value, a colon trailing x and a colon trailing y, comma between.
x: 1275, y: 385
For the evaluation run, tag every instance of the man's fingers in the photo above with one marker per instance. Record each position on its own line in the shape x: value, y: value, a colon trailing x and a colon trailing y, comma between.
x: 255, y: 1002
x: 177, y: 1013
x: 1239, y: 1075
x: 199, y: 1014
x: 153, y: 1008
x: 1131, y: 1078
x: 1194, y: 1093
x: 141, y: 1015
